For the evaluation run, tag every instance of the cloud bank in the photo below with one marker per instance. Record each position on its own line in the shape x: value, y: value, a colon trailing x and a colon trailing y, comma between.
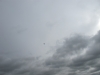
x: 79, y: 54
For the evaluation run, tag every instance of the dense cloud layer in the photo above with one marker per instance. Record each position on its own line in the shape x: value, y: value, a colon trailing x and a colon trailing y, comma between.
x: 78, y: 55
x: 25, y: 25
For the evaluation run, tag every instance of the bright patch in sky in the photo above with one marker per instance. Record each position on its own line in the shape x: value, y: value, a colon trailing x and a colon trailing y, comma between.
x: 97, y: 27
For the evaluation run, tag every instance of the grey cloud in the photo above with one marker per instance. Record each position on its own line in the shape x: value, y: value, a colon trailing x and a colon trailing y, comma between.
x: 62, y: 18
x: 74, y: 44
x: 60, y: 61
x: 82, y: 62
x: 73, y: 73
x: 55, y: 62
x: 91, y: 55
x: 8, y: 65
x: 97, y: 73
x: 24, y: 22
x: 21, y: 66
x: 25, y: 66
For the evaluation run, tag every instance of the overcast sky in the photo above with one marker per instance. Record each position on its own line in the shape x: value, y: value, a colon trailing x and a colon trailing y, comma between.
x: 49, y: 37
